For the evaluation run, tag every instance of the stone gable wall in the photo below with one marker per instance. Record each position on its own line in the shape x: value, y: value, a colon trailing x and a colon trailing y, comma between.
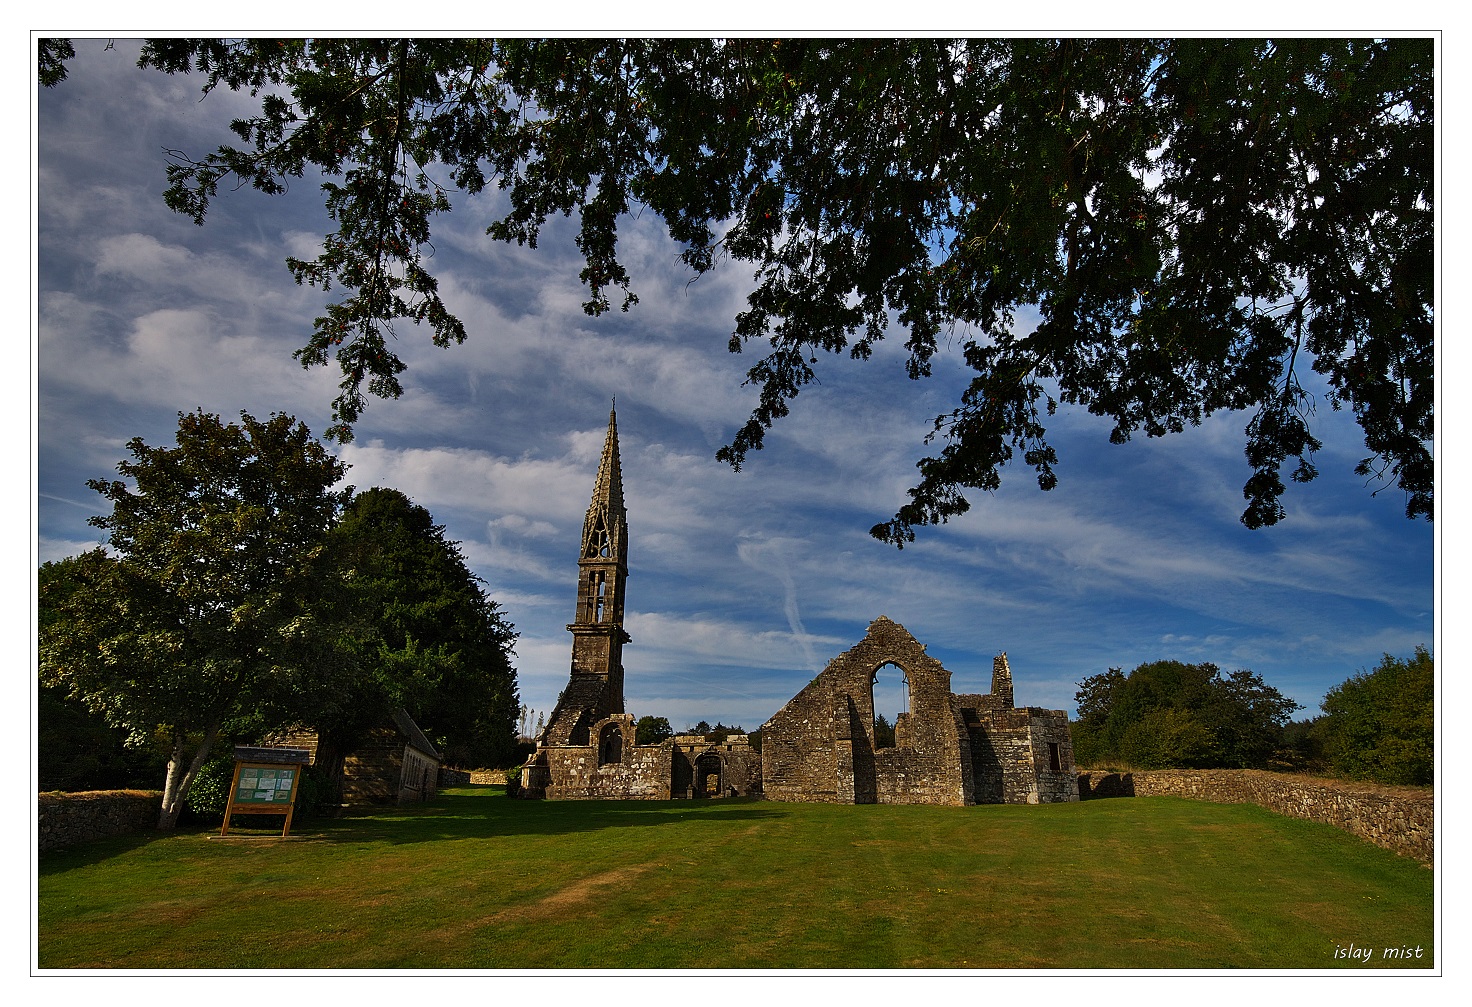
x: 820, y: 746
x: 64, y: 820
x: 800, y: 748
x: 1404, y: 823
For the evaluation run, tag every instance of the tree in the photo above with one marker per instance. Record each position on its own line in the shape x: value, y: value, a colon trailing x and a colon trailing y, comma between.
x: 1381, y: 725
x: 424, y: 636
x: 205, y: 617
x: 652, y: 730
x: 1166, y: 713
x: 1194, y: 220
x: 76, y: 749
x: 883, y: 732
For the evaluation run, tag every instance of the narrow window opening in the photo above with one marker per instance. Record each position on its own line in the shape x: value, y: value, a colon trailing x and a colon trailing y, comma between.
x: 1055, y: 762
x: 889, y: 693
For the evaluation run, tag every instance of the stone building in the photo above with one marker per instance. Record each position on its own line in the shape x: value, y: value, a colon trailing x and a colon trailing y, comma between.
x: 588, y: 749
x: 394, y: 764
x: 948, y: 748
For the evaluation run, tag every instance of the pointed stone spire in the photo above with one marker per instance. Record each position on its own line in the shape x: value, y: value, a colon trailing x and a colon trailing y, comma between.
x: 609, y: 487
x: 606, y: 528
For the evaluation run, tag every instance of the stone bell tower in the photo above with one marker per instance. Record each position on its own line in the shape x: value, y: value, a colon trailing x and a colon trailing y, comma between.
x: 596, y: 688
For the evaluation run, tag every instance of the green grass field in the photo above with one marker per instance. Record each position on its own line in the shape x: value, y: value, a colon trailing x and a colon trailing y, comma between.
x: 474, y: 880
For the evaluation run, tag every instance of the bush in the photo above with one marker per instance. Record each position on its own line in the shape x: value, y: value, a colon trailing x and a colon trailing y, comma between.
x: 1381, y: 725
x: 210, y: 790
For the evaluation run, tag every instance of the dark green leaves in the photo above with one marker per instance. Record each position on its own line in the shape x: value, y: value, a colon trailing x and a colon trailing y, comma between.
x: 1196, y: 222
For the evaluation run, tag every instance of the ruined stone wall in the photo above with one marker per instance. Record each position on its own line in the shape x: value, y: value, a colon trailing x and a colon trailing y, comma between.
x: 1002, y: 758
x: 1404, y: 823
x: 573, y: 773
x: 457, y: 777
x: 1012, y: 757
x: 820, y: 746
x: 800, y: 748
x: 64, y: 820
x: 931, y: 760
x: 1052, y: 742
x: 693, y: 760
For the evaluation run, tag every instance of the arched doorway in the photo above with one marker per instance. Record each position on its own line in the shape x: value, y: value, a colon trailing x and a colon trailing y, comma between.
x: 610, y: 745
x: 710, y: 776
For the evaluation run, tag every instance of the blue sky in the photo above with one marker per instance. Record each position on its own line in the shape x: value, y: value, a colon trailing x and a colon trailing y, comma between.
x: 742, y: 585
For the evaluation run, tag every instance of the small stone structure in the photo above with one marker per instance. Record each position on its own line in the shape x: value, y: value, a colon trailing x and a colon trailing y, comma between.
x: 1402, y: 822
x: 395, y: 764
x: 948, y: 748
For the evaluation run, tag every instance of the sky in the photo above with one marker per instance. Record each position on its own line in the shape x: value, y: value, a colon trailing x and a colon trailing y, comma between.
x: 742, y: 586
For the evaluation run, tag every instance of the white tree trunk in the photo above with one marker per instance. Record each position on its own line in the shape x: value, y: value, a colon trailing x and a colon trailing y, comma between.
x: 176, y: 784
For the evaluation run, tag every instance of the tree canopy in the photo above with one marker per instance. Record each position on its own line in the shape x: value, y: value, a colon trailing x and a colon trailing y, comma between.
x: 204, y: 619
x: 1155, y: 230
x: 652, y: 730
x: 1381, y: 725
x: 423, y: 633
x: 1168, y: 714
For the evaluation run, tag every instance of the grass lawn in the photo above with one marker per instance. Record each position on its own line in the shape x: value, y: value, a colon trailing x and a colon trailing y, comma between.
x: 474, y: 880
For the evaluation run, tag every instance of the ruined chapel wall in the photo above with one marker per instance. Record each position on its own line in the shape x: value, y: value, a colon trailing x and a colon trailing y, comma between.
x: 643, y: 773
x: 820, y: 746
x: 740, y: 767
x: 1047, y: 728
x: 800, y: 748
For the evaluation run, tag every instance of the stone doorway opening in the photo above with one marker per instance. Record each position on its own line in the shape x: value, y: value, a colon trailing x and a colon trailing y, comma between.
x: 710, y: 776
x: 889, y: 698
x: 610, y: 745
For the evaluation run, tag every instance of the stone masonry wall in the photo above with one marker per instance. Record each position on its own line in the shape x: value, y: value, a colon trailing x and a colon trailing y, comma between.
x: 643, y: 773
x: 1403, y: 823
x: 456, y: 777
x: 67, y: 819
x: 800, y: 748
x: 821, y: 745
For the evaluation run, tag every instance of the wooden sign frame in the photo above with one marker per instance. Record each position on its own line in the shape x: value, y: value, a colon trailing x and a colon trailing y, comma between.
x: 275, y: 768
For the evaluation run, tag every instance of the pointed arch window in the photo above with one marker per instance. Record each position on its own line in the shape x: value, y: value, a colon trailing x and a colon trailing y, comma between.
x: 889, y: 699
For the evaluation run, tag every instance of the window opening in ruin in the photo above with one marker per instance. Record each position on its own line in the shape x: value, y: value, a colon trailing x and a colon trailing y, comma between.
x: 889, y: 695
x: 610, y: 745
x: 1055, y: 763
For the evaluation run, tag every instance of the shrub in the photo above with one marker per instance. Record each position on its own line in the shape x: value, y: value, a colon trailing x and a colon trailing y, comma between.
x: 1381, y: 725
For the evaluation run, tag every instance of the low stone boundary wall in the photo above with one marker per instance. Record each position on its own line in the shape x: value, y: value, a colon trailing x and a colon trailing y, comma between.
x: 453, y: 777
x: 67, y: 819
x: 1404, y: 823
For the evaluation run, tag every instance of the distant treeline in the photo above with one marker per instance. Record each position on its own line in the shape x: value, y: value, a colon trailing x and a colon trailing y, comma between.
x: 1376, y: 725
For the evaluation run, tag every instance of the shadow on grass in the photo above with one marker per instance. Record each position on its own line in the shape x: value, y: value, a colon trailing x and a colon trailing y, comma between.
x: 486, y: 815
x: 465, y: 813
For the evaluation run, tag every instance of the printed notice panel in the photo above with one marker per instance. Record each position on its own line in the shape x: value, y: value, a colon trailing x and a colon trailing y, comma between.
x: 264, y: 786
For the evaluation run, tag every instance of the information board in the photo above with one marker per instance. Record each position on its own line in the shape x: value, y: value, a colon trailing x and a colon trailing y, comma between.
x: 259, y: 785
x: 265, y: 783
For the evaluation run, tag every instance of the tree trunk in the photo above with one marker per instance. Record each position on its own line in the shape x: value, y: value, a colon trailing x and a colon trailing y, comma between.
x: 332, y: 751
x: 176, y: 784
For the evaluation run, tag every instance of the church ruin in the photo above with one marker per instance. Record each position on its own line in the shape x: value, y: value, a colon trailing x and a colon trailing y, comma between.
x: 948, y: 748
x: 822, y: 746
x: 588, y: 749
